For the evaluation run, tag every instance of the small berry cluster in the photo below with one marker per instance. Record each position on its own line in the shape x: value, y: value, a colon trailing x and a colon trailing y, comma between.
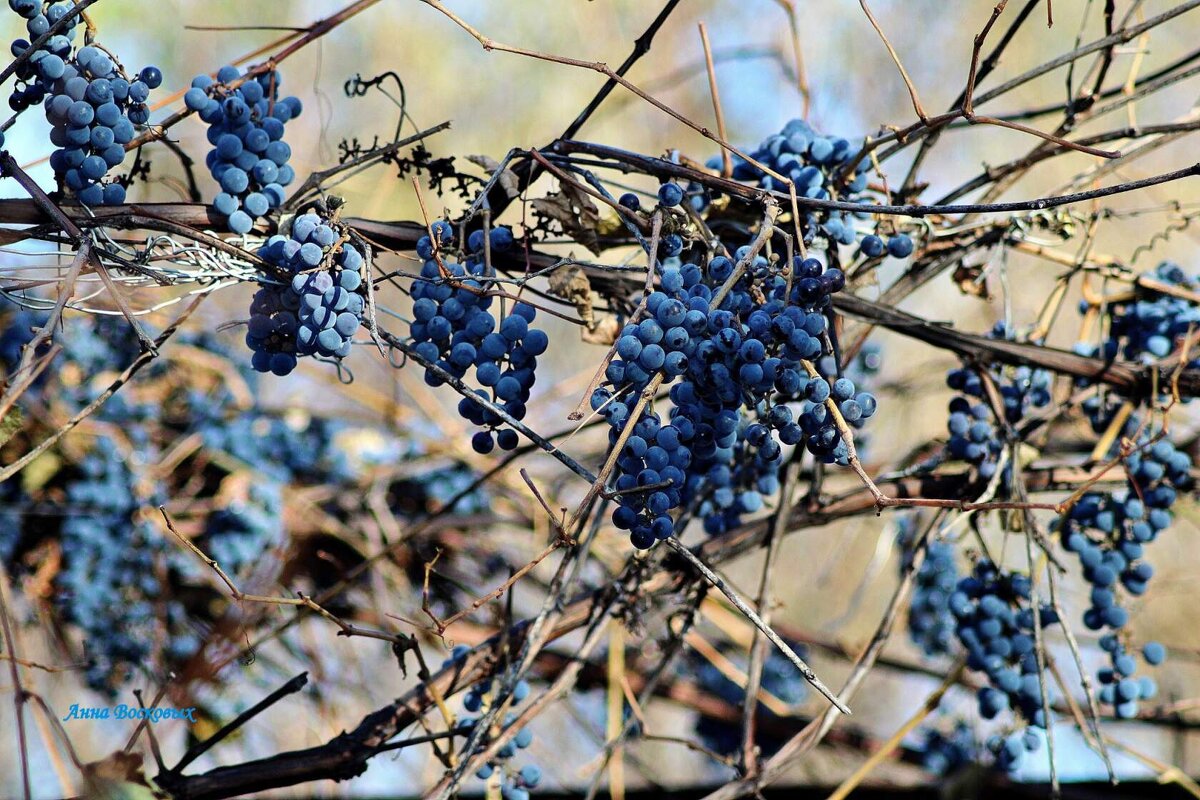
x: 319, y: 310
x: 930, y: 623
x: 1150, y: 326
x: 975, y: 435
x: 995, y: 623
x: 454, y: 329
x: 946, y: 752
x: 1109, y: 532
x: 48, y: 64
x: 821, y: 169
x: 779, y: 679
x: 514, y: 783
x: 95, y: 110
x: 898, y: 245
x: 1010, y: 751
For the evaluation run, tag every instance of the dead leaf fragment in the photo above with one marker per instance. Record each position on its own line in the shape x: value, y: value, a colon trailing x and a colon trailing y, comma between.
x: 507, y: 180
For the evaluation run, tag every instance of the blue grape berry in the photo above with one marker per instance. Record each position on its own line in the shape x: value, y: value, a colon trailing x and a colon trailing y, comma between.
x: 900, y: 246
x: 670, y: 194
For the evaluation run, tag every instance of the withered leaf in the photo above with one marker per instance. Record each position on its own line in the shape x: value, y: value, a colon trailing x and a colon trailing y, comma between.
x: 507, y: 180
x: 571, y: 284
x: 575, y: 212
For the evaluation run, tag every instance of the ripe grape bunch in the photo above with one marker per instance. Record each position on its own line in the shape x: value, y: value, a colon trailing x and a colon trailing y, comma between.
x: 996, y: 625
x: 946, y: 752
x: 1148, y: 325
x: 95, y: 110
x: 318, y: 310
x: 249, y: 159
x: 930, y: 622
x: 454, y: 330
x: 976, y: 436
x: 739, y: 351
x: 821, y: 168
x: 1109, y: 531
x: 111, y: 584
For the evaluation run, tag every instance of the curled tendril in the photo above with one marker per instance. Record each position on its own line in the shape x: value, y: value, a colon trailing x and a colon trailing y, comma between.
x: 391, y: 357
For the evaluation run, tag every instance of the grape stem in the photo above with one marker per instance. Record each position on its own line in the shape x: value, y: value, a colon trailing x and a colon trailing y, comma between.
x: 638, y: 313
x: 741, y: 605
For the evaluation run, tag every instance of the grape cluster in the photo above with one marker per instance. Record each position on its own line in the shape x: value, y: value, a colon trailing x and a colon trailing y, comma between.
x: 995, y: 624
x: 48, y: 64
x: 1009, y: 752
x: 1148, y: 327
x: 514, y: 783
x: 821, y: 168
x: 107, y: 585
x: 319, y: 310
x: 249, y: 159
x: 123, y: 584
x: 975, y: 435
x: 946, y: 752
x: 454, y: 329
x: 95, y: 110
x: 1109, y: 532
x: 779, y: 679
x: 742, y: 390
x: 930, y: 624
x: 861, y: 371
x: 815, y: 164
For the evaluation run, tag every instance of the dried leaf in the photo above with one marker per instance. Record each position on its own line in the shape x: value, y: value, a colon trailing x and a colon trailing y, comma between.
x: 489, y: 164
x: 571, y: 284
x: 11, y: 423
x: 967, y: 278
x: 604, y: 332
x: 118, y: 777
x: 40, y: 471
x: 575, y: 213
x: 508, y: 179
